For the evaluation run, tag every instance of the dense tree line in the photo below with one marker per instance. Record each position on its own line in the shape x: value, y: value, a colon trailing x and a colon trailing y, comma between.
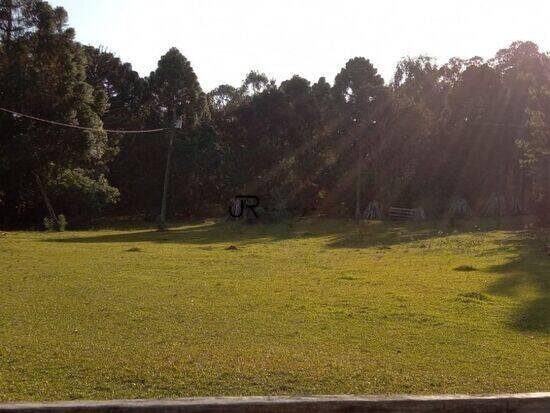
x: 467, y: 137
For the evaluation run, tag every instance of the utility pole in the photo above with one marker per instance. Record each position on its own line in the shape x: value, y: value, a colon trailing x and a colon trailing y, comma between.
x: 47, y: 202
x: 359, y: 179
x: 171, y: 133
x: 360, y: 160
x: 359, y: 167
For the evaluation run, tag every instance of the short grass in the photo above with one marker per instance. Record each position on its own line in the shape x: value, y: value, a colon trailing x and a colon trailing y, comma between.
x: 314, y: 307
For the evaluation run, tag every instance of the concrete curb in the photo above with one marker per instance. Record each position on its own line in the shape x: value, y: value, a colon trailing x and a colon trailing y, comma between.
x: 508, y: 403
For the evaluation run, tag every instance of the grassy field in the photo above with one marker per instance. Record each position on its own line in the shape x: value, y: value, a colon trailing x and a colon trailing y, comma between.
x: 317, y: 307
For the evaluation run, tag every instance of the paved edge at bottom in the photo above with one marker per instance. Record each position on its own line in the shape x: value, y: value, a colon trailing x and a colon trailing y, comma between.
x: 516, y: 403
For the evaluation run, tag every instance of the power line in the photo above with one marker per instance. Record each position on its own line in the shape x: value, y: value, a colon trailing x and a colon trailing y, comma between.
x: 66, y: 125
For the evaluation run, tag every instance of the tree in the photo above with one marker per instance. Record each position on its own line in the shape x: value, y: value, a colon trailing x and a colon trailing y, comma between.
x: 42, y: 73
x: 409, y: 154
x: 11, y: 21
x: 535, y: 150
x: 361, y: 97
x: 468, y: 129
x: 179, y: 96
x: 128, y: 95
x: 130, y: 106
x: 255, y: 83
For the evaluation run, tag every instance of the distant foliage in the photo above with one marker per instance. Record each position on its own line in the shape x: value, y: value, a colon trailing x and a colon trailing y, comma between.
x: 515, y: 207
x: 495, y: 206
x: 49, y: 224
x: 468, y: 127
x: 460, y: 208
x: 81, y: 193
x: 43, y: 72
x: 542, y: 210
x: 55, y: 225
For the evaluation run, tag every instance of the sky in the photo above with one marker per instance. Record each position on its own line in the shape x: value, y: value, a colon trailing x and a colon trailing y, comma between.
x: 224, y: 40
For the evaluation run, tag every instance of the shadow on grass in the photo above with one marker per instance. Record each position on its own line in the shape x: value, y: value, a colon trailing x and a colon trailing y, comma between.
x: 530, y: 268
x: 217, y: 233
x: 387, y: 234
x: 340, y: 233
x: 382, y: 235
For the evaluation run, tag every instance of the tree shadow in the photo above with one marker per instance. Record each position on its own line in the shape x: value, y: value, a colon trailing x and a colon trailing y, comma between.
x: 212, y: 232
x: 382, y: 236
x: 388, y: 234
x: 529, y: 269
x: 340, y: 233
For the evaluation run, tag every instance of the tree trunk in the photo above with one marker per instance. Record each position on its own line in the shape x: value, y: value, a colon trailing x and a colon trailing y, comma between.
x: 49, y: 206
x: 522, y: 188
x: 9, y: 28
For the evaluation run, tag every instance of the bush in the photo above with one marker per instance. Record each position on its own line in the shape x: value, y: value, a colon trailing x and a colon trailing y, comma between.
x: 61, y: 222
x: 82, y: 194
x: 49, y: 224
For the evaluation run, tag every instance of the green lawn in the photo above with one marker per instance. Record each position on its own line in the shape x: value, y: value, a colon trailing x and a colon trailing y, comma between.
x: 318, y: 307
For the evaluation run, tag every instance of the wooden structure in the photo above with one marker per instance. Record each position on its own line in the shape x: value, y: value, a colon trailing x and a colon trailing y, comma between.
x: 405, y: 214
x: 501, y: 403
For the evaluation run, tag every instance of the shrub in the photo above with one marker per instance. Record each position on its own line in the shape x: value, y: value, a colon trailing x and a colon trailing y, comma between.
x: 52, y: 225
x: 82, y: 194
x: 61, y: 222
x: 49, y: 224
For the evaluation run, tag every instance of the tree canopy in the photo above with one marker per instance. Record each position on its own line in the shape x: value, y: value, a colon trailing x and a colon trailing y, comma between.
x: 467, y: 131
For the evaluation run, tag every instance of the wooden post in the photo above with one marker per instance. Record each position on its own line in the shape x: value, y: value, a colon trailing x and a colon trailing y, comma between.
x: 49, y: 206
x: 359, y: 180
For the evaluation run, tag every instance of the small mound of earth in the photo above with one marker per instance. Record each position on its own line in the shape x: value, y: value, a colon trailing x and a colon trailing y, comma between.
x: 473, y: 296
x: 134, y: 249
x: 465, y: 268
x: 231, y: 248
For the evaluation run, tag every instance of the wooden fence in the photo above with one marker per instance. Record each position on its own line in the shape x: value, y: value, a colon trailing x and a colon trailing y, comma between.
x: 405, y: 214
